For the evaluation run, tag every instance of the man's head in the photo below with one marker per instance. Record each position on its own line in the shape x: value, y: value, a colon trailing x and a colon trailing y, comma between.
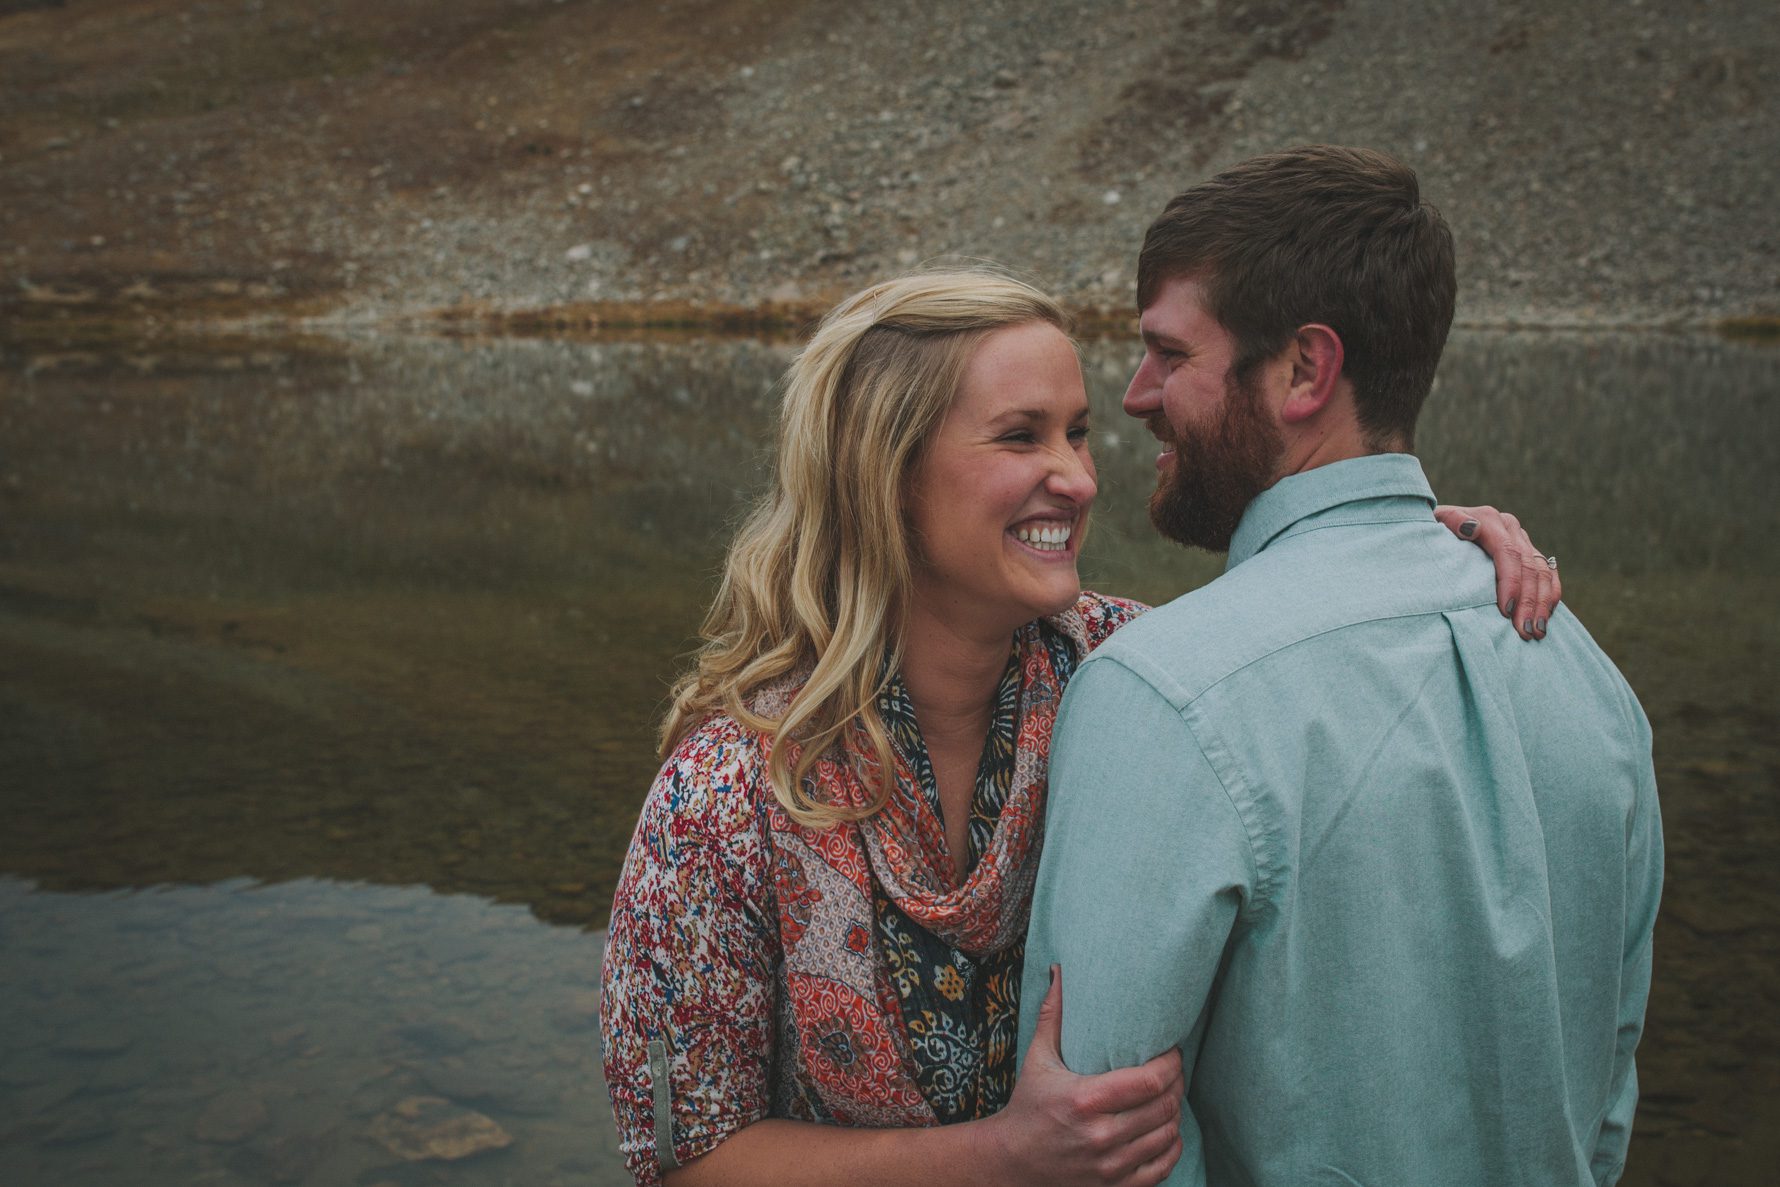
x: 1295, y: 307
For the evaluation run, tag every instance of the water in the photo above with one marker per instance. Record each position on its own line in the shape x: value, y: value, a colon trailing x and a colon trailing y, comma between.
x: 328, y: 674
x: 240, y: 1032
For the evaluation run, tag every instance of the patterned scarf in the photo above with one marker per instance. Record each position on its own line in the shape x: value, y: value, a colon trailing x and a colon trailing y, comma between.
x: 852, y: 1041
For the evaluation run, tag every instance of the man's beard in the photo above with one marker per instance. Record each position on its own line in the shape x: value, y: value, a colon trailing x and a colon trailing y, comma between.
x: 1217, y: 472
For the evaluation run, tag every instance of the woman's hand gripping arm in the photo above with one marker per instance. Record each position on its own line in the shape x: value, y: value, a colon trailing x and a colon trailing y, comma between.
x: 1118, y: 1128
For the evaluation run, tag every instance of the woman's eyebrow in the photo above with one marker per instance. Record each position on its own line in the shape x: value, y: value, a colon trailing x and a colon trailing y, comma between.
x: 1027, y: 416
x: 1007, y: 415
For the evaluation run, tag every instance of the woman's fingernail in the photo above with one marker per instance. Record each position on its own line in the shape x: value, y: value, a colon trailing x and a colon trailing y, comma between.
x: 1510, y: 610
x: 1468, y: 528
x: 1527, y: 627
x: 1541, y: 626
x: 1053, y: 974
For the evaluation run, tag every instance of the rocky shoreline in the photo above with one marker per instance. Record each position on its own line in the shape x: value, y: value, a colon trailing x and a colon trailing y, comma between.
x: 63, y: 323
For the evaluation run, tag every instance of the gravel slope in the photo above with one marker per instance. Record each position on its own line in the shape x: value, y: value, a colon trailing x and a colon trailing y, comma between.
x: 1601, y: 162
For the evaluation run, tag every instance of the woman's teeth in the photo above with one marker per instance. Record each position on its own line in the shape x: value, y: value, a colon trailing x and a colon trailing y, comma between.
x: 1046, y: 537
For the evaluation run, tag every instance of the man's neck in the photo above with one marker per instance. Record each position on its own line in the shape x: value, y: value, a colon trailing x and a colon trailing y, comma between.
x: 1338, y: 441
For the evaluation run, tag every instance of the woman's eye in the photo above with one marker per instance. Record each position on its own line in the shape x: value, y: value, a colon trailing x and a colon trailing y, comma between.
x: 1079, y: 433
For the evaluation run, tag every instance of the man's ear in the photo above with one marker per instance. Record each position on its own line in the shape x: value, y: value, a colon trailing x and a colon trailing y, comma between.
x: 1316, y: 356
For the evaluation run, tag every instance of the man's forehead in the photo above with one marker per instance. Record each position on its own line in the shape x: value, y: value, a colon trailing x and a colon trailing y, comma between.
x: 1177, y: 308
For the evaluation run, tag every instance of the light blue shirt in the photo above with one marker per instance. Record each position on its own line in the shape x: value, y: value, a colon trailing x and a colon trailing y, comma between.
x: 1382, y: 870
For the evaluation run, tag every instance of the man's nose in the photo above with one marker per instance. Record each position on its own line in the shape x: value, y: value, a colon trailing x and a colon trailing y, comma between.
x: 1143, y: 395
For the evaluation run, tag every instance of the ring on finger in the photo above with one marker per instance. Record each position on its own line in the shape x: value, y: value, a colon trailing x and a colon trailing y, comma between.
x: 1551, y: 562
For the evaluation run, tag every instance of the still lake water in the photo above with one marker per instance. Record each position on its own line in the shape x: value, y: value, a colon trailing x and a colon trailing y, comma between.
x: 328, y: 674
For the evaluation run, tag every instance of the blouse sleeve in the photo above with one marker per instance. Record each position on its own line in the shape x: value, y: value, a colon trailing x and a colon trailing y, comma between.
x: 687, y: 993
x: 1103, y: 614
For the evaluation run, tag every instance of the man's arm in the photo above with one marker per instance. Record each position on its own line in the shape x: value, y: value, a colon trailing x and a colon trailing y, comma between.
x: 1644, y: 885
x: 1146, y: 869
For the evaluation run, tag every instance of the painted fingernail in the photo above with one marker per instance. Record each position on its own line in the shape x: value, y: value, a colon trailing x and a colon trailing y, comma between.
x: 1541, y: 626
x: 1510, y: 611
x: 1468, y: 528
x: 1526, y: 627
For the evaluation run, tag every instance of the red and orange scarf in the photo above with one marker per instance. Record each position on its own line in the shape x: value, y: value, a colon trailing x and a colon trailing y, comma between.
x: 851, y: 1040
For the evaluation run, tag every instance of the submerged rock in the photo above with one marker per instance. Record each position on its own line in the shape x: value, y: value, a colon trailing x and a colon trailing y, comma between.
x: 431, y: 1127
x: 286, y: 1159
x: 441, y: 1037
x: 80, y: 1127
x: 95, y: 1042
x: 231, y: 1118
x: 515, y: 1092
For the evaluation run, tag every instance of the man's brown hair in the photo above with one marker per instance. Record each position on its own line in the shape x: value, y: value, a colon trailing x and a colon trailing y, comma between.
x: 1322, y: 234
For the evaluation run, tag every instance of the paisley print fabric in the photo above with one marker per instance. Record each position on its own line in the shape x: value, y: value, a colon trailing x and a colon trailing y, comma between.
x: 844, y: 974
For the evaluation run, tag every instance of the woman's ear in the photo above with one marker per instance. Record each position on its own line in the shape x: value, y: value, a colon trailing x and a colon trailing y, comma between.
x: 1317, y: 356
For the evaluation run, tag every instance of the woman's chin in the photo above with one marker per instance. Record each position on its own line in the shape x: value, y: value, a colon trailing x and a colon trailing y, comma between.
x: 1065, y: 596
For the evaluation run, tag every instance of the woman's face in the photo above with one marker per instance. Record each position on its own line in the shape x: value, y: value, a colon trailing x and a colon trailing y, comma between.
x: 999, y: 498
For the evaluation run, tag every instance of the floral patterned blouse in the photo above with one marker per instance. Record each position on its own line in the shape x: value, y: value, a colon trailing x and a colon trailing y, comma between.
x: 707, y: 1026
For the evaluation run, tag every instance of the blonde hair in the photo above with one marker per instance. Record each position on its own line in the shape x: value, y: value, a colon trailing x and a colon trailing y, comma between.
x: 818, y: 578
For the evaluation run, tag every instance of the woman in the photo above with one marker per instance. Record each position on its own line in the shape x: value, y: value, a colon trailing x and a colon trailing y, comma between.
x: 815, y: 952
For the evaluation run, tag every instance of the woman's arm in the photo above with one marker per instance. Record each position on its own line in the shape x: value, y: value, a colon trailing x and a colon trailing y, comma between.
x: 686, y: 1009
x: 1121, y: 1127
x: 1527, y: 587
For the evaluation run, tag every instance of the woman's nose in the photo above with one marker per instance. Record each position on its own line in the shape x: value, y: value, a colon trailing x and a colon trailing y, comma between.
x: 1073, y: 477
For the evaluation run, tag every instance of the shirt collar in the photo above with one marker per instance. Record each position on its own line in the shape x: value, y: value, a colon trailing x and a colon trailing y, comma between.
x: 1291, y: 500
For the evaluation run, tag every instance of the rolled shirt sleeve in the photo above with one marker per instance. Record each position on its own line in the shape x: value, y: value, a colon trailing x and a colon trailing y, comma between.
x: 690, y: 959
x: 1147, y: 873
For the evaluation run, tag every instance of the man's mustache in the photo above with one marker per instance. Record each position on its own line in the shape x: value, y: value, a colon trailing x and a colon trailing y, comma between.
x: 1161, y: 430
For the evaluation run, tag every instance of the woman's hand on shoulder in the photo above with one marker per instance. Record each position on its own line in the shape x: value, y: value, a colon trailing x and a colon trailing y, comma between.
x: 1527, y: 584
x: 1119, y: 1127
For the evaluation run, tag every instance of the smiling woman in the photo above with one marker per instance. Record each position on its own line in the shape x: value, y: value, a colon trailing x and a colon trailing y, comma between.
x: 822, y: 917
x: 1002, y: 491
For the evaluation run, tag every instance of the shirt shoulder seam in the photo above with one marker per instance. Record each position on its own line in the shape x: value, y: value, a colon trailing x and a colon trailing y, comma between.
x: 1242, y: 819
x: 1186, y: 696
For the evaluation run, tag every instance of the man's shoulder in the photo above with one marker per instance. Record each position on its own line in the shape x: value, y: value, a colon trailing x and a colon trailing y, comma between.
x: 1183, y: 647
x: 1304, y: 590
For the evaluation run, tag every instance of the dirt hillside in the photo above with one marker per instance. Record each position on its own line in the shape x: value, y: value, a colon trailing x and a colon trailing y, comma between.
x: 1601, y: 161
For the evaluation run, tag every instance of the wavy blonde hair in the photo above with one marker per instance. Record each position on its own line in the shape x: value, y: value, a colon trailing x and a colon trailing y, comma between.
x: 818, y: 578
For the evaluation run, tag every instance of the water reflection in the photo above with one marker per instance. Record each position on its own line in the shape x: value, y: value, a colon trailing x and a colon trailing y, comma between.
x: 401, y: 613
x: 241, y: 1033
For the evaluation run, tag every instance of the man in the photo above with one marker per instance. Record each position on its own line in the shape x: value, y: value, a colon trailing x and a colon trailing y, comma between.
x: 1384, y: 873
